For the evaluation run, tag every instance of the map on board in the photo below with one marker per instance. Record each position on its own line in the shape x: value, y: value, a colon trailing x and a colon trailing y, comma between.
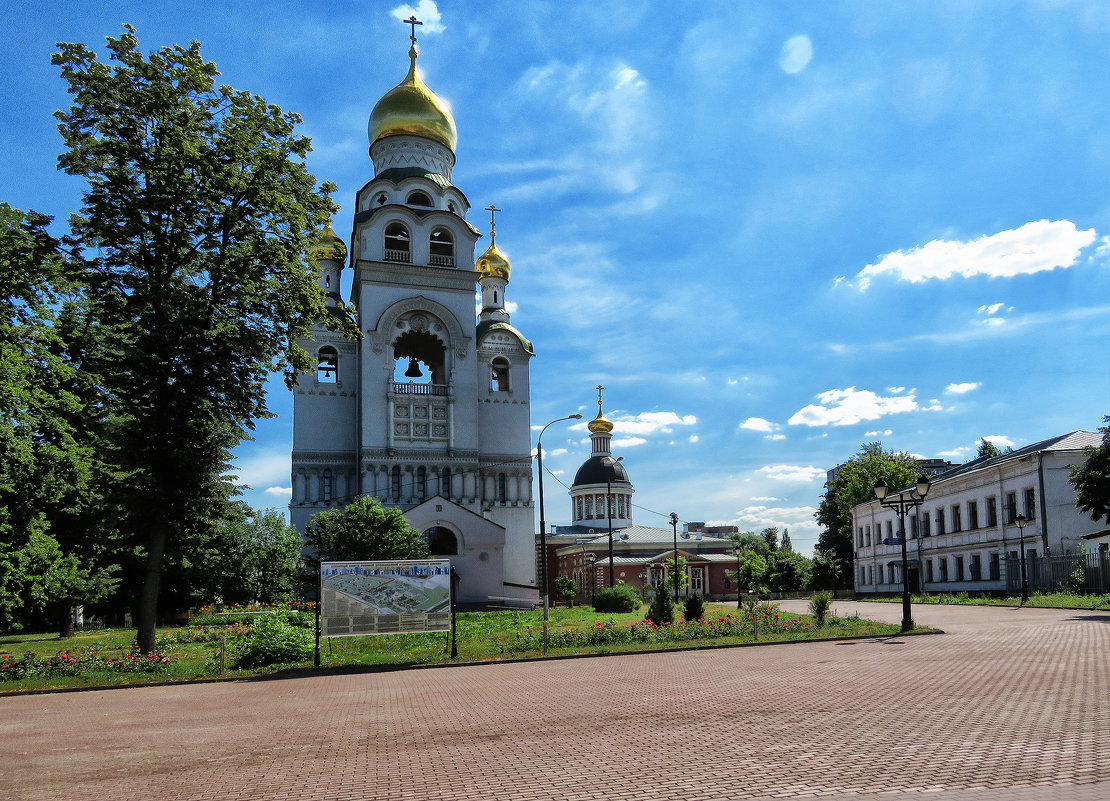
x: 394, y: 597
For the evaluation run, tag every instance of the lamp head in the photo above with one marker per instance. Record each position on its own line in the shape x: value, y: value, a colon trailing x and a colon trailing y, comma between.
x: 881, y: 489
x: 1022, y: 521
x: 922, y: 486
x: 575, y: 417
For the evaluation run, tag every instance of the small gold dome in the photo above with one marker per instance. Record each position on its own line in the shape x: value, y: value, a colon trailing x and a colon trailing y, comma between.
x: 599, y: 425
x: 328, y: 246
x: 412, y: 108
x: 493, y: 262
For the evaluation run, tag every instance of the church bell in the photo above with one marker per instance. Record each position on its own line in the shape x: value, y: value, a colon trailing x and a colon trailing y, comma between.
x: 414, y: 369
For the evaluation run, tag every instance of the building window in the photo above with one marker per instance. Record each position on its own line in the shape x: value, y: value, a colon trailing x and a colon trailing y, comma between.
x: 889, y: 529
x: 942, y: 563
x: 940, y: 522
x: 867, y: 535
x: 862, y: 576
x: 578, y: 508
x: 929, y: 570
x: 397, y: 243
x: 890, y: 574
x: 957, y: 521
x: 1011, y: 507
x: 419, y: 198
x: 1030, y: 504
x: 995, y: 567
x: 859, y: 537
x: 976, y: 567
x: 421, y: 483
x: 992, y: 512
x: 395, y: 483
x: 925, y: 524
x: 325, y: 486
x: 973, y: 514
x: 913, y: 527
x: 441, y: 541
x: 959, y: 568
x: 441, y: 248
x: 499, y: 377
x: 500, y: 487
x: 327, y: 365
x: 445, y: 482
x: 589, y: 507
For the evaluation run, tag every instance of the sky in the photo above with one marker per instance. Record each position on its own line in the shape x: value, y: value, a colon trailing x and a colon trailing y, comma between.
x: 773, y: 231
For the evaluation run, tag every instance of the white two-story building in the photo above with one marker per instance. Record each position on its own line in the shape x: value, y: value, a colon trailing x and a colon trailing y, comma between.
x: 962, y: 535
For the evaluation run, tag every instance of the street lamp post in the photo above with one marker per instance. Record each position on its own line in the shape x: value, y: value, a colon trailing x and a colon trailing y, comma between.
x: 609, y: 511
x: 902, y: 503
x: 736, y: 552
x: 1022, y: 521
x: 590, y: 560
x: 674, y: 525
x: 543, y: 525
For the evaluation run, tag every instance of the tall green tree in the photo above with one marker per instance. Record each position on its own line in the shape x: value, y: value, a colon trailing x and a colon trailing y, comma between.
x: 363, y: 530
x: 1092, y: 478
x: 786, y: 544
x: 196, y: 221
x: 788, y: 571
x: 750, y: 541
x: 854, y: 484
x: 252, y: 557
x: 753, y: 573
x: 48, y: 564
x: 771, y: 537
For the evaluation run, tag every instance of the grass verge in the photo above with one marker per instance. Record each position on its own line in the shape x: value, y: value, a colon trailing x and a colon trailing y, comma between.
x: 191, y: 653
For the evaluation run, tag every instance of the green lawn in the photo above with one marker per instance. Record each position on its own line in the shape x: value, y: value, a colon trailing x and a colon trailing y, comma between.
x: 192, y: 653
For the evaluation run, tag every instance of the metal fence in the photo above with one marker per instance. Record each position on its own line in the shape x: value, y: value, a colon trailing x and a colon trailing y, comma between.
x: 1078, y: 573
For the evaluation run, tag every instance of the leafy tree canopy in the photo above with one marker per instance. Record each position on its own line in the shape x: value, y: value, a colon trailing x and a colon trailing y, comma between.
x: 988, y: 448
x: 363, y: 530
x: 1092, y: 479
x: 251, y: 558
x: 195, y: 225
x: 750, y: 541
x: 854, y: 484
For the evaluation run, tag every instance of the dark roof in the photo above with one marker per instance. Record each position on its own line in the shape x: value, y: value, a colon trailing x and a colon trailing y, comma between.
x: 486, y: 326
x: 1074, y: 441
x: 600, y: 469
x: 398, y: 174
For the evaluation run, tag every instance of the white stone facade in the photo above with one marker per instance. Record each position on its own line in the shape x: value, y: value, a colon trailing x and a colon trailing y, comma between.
x: 959, y: 539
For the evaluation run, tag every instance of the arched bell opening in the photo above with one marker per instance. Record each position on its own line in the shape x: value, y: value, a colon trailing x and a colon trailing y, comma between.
x: 419, y: 358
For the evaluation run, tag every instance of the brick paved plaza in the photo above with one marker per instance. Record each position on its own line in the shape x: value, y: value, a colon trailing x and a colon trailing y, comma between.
x: 1009, y: 705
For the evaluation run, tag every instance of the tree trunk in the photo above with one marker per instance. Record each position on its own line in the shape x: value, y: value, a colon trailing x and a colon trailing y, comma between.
x: 62, y: 615
x: 147, y: 613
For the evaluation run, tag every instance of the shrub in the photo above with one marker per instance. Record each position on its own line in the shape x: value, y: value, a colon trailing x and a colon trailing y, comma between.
x: 819, y: 606
x: 273, y: 641
x: 694, y: 608
x: 661, y: 610
x: 620, y: 598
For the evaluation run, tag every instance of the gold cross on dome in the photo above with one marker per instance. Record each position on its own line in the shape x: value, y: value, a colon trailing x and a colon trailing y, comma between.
x: 492, y: 209
x: 599, y: 389
x: 412, y: 22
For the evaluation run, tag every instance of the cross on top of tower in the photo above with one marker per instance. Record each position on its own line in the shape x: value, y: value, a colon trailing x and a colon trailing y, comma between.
x: 599, y: 389
x: 492, y: 209
x: 412, y: 22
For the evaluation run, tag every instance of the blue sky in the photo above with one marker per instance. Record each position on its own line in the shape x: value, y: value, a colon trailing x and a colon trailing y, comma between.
x: 773, y: 231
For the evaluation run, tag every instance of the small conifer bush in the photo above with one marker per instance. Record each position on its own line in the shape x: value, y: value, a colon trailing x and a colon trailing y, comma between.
x: 662, y: 607
x: 693, y: 608
x: 620, y: 598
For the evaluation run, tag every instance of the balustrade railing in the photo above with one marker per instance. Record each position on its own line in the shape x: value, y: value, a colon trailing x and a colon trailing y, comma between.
x: 410, y: 388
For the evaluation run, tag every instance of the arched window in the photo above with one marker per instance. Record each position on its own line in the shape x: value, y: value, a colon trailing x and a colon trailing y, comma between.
x: 441, y: 248
x: 419, y: 198
x: 421, y: 483
x: 441, y: 541
x: 397, y: 243
x: 500, y: 487
x: 327, y: 365
x: 395, y: 483
x: 325, y: 486
x: 445, y: 483
x: 499, y: 377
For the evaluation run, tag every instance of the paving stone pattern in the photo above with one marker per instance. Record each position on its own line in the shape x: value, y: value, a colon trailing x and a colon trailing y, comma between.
x: 1009, y: 705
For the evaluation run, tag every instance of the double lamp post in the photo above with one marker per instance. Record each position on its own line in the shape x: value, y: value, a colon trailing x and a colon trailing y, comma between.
x: 543, y: 524
x: 902, y: 503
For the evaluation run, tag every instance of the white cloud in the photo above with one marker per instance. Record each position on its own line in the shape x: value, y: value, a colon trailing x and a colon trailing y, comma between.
x: 797, y: 51
x: 790, y: 472
x: 264, y: 467
x: 628, y: 442
x: 840, y: 407
x: 758, y: 424
x: 757, y: 517
x: 694, y: 438
x: 960, y: 389
x: 1035, y: 246
x: 650, y: 422
x: 426, y: 11
x: 999, y: 440
x: 765, y: 498
x: 774, y: 437
x: 884, y: 433
x: 279, y: 491
x: 955, y: 453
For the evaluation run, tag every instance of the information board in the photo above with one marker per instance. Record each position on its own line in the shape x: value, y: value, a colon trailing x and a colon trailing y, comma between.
x: 396, y: 597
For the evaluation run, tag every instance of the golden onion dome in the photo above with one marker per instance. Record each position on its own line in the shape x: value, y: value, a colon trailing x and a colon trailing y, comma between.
x: 599, y: 425
x: 493, y: 263
x: 412, y: 108
x: 328, y: 246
